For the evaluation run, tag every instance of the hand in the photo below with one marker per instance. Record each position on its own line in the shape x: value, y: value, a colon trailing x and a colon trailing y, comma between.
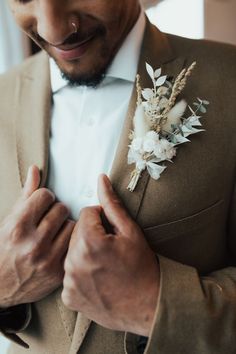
x: 34, y: 241
x: 112, y: 278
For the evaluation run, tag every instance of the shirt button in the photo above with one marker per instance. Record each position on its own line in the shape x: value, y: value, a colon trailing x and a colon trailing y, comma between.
x: 90, y: 121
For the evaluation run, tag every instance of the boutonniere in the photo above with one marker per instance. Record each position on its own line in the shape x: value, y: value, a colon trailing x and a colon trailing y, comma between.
x: 161, y: 123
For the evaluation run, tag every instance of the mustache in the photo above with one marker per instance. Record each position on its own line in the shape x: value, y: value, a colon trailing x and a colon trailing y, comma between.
x: 72, y: 38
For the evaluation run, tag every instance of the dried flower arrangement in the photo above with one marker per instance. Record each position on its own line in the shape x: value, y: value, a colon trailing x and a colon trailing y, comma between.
x: 159, y: 123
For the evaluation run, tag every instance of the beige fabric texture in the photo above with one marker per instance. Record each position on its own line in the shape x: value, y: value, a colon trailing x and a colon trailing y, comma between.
x: 188, y: 216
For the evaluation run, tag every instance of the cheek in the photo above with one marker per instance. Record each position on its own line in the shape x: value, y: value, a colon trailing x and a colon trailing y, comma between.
x: 23, y: 17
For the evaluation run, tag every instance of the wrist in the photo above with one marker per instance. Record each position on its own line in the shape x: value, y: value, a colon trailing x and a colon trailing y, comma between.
x: 146, y: 307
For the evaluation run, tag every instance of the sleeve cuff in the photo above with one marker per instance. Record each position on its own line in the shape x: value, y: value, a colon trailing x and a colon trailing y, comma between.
x: 179, y: 293
x: 15, y: 319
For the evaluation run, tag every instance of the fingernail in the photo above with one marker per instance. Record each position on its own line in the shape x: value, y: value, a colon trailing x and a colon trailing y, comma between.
x: 28, y: 175
x: 107, y: 183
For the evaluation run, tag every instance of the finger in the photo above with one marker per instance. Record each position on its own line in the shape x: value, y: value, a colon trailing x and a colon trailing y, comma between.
x: 37, y: 205
x: 61, y: 242
x: 112, y: 206
x: 90, y: 224
x: 51, y: 223
x: 32, y: 181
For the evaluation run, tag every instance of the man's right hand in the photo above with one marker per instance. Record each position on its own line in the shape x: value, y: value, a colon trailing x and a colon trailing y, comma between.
x: 34, y: 240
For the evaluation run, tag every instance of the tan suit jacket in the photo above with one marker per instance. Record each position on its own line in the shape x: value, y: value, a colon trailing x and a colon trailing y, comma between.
x: 188, y: 216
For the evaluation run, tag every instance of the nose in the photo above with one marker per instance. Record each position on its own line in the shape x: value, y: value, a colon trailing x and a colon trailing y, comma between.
x: 54, y: 23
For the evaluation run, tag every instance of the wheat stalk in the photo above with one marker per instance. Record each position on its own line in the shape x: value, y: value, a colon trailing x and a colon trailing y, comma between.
x: 178, y: 87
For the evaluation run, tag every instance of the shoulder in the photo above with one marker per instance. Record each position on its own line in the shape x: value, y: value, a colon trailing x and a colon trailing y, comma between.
x: 213, y: 58
x: 203, y: 49
x: 216, y: 62
x: 30, y: 68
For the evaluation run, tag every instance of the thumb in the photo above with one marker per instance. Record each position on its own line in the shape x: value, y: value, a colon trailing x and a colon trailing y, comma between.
x: 32, y: 181
x: 112, y: 206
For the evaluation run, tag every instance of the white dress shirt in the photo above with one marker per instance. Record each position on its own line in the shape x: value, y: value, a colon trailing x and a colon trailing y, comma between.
x: 86, y: 125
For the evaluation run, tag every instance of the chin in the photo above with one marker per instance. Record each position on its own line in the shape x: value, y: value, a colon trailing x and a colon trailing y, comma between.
x: 84, y: 72
x: 75, y: 76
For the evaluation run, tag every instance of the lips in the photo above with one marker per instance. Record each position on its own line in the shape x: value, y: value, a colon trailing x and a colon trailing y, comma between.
x: 75, y: 51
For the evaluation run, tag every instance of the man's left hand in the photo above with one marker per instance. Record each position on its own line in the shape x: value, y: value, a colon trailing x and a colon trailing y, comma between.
x: 111, y: 277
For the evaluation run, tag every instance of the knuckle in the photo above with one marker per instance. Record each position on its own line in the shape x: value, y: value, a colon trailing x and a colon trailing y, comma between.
x: 62, y: 209
x: 69, y: 226
x: 110, y: 202
x: 66, y: 298
x: 92, y: 247
x: 85, y: 244
x: 46, y: 228
x: 67, y: 265
x: 84, y: 212
x: 46, y: 267
x: 19, y: 231
x: 32, y: 255
x: 72, y: 274
x: 71, y: 269
x: 45, y: 195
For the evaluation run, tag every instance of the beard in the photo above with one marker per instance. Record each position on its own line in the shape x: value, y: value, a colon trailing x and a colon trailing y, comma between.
x: 89, y: 80
x: 95, y: 75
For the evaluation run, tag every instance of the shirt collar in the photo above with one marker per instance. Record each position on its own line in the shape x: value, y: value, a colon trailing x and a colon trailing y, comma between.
x: 124, y: 65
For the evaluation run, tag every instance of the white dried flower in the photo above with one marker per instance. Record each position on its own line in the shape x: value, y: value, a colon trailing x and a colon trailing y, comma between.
x: 137, y: 144
x: 152, y: 135
x: 164, y: 150
x: 163, y: 103
x: 150, y: 140
x: 148, y: 145
x: 162, y: 91
x: 141, y: 164
x: 141, y: 126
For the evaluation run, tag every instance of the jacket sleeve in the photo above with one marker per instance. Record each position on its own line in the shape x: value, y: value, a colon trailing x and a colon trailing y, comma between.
x: 195, y: 314
x: 15, y: 319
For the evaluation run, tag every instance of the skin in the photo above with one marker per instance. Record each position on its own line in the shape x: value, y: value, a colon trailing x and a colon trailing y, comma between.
x: 35, y: 236
x: 108, y: 22
x: 113, y: 278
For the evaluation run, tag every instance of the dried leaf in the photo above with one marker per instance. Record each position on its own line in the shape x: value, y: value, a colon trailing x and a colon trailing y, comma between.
x: 157, y: 73
x: 203, y: 109
x: 161, y: 80
x: 150, y: 71
x: 155, y: 170
x: 147, y: 93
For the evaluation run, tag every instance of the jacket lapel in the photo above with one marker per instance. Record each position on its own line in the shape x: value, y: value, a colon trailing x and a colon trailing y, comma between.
x: 32, y: 112
x: 158, y: 53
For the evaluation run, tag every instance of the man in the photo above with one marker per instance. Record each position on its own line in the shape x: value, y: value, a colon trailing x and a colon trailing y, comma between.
x: 158, y: 277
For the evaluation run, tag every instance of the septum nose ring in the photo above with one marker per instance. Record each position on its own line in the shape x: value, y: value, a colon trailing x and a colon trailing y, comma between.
x: 74, y: 27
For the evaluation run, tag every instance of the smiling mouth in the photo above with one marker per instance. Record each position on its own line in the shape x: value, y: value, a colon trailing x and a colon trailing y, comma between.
x: 73, y: 51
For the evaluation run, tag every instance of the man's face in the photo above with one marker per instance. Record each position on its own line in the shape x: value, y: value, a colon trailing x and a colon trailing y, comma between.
x: 101, y: 25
